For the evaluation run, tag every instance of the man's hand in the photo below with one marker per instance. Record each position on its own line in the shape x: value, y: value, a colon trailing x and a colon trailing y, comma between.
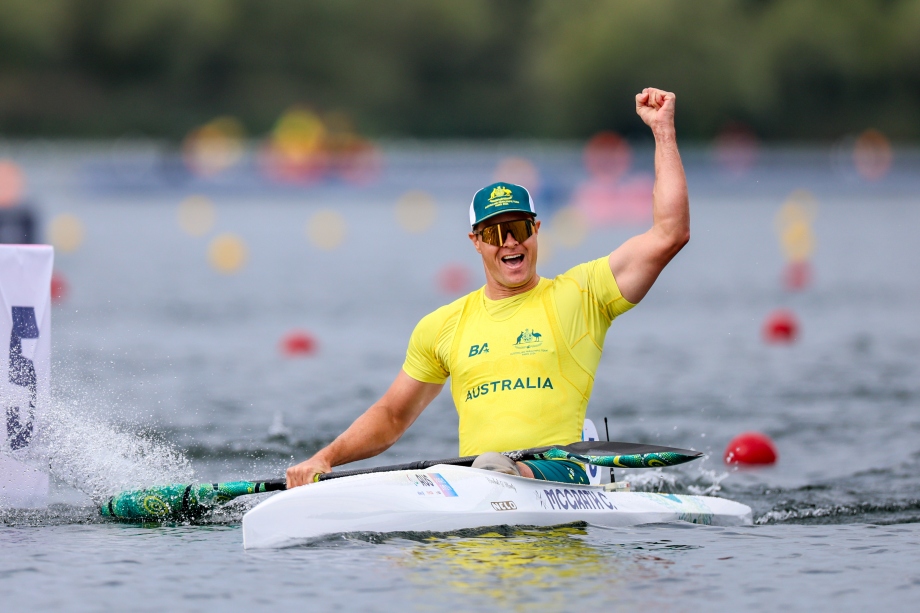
x: 656, y: 108
x: 372, y: 433
x: 303, y: 473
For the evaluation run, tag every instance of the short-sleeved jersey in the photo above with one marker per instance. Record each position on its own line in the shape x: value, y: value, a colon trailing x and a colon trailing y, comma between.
x: 521, y: 368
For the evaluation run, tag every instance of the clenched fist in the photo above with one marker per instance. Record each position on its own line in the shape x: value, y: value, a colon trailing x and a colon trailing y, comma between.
x: 303, y: 473
x: 656, y: 108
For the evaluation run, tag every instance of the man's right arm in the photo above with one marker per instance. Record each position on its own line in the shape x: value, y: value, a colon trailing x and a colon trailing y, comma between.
x: 637, y: 263
x: 372, y: 433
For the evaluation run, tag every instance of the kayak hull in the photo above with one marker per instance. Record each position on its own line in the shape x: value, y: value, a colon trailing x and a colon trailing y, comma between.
x: 450, y: 498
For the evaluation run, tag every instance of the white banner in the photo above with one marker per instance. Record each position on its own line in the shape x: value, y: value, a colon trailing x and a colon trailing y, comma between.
x: 25, y: 373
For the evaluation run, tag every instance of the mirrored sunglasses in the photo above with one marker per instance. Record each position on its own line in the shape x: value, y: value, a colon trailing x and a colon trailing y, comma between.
x: 495, y: 235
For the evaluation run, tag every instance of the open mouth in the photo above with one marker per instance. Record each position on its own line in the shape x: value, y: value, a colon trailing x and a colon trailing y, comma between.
x: 514, y: 260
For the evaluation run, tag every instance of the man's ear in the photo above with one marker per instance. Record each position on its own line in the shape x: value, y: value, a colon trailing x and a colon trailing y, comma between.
x: 474, y: 238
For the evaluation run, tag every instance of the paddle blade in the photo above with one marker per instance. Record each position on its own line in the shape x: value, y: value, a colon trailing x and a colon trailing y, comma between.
x: 176, y: 502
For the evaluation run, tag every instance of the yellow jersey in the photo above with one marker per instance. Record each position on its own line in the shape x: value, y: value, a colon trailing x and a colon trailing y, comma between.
x: 521, y: 368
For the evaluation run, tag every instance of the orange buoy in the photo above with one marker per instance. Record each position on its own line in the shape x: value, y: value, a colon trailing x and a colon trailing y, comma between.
x: 750, y: 448
x: 59, y: 287
x: 454, y: 279
x: 781, y: 327
x: 298, y: 343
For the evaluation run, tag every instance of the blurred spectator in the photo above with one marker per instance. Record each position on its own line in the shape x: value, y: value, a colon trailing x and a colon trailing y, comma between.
x: 303, y: 148
x: 610, y: 196
x: 17, y: 219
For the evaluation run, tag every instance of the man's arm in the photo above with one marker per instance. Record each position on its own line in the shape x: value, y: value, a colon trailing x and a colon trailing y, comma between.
x: 638, y: 262
x: 372, y: 433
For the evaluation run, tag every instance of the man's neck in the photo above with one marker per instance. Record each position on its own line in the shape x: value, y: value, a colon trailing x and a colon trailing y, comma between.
x: 496, y: 291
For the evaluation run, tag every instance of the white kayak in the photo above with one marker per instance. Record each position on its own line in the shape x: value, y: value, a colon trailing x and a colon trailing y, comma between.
x: 447, y: 498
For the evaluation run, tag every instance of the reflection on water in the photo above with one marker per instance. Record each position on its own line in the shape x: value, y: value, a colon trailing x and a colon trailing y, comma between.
x: 516, y: 567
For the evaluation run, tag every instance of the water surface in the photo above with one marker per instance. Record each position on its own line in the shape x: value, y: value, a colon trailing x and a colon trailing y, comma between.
x: 165, y: 370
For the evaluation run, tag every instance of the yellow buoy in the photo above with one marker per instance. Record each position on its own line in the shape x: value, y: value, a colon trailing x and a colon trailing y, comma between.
x: 227, y: 253
x: 793, y: 225
x: 65, y: 232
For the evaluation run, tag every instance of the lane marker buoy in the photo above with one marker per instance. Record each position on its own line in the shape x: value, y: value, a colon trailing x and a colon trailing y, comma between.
x: 65, y: 232
x: 59, y: 287
x: 227, y: 253
x: 454, y: 279
x: 750, y: 448
x: 298, y: 343
x: 781, y: 327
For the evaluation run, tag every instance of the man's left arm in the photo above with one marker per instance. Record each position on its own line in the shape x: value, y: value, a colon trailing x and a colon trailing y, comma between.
x: 638, y: 262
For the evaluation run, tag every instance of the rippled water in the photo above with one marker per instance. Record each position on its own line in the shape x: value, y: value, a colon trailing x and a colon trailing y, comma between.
x: 165, y: 370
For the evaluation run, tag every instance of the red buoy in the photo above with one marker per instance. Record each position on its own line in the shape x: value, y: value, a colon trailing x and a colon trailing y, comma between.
x: 781, y: 327
x: 454, y: 279
x: 59, y: 287
x: 750, y: 448
x: 298, y: 343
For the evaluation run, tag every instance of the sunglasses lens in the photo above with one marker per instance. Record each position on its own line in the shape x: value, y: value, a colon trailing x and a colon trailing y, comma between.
x: 490, y: 234
x: 520, y: 229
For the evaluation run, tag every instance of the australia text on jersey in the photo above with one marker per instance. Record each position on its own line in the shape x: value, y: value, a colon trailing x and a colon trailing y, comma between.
x: 508, y: 385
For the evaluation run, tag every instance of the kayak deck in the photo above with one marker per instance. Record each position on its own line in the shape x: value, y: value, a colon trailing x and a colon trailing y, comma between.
x: 447, y: 498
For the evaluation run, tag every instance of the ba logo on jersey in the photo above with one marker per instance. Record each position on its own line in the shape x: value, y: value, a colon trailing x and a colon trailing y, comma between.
x: 478, y: 349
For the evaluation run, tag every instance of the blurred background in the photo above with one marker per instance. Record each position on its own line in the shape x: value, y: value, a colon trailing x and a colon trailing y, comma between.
x: 810, y: 70
x: 253, y: 203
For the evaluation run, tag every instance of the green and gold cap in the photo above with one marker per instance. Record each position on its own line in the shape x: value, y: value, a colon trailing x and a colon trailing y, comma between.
x: 499, y: 198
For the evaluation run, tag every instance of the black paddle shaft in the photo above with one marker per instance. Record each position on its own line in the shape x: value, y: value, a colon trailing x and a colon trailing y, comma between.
x: 271, y: 485
x: 583, y: 448
x: 419, y: 465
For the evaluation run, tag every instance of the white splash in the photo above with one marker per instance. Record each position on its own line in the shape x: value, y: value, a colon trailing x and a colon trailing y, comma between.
x: 702, y: 482
x: 771, y: 517
x: 650, y: 480
x: 711, y: 483
x: 99, y: 458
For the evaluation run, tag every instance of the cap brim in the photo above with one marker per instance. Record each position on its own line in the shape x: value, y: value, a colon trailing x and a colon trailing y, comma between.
x: 490, y: 215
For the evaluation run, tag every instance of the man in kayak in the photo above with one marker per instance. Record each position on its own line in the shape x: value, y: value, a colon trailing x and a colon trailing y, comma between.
x: 521, y: 351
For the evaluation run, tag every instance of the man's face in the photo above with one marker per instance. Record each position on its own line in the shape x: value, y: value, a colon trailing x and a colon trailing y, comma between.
x: 514, y: 263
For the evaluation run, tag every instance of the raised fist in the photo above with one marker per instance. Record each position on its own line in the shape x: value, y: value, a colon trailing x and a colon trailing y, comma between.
x: 656, y: 108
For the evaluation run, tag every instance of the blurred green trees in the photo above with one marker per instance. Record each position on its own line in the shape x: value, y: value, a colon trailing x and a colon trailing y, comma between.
x: 789, y: 69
